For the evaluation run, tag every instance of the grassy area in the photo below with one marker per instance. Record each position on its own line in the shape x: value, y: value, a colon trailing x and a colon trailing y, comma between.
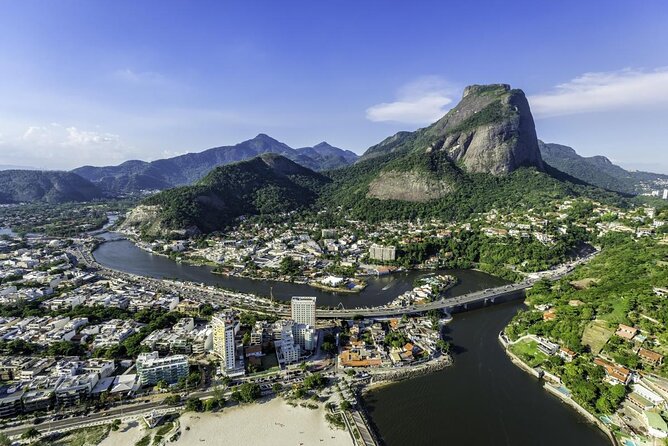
x: 144, y: 441
x: 596, y: 335
x: 620, y: 311
x: 527, y: 350
x: 84, y: 437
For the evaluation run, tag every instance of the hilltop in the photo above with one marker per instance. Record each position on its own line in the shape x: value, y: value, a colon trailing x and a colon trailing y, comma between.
x: 598, y: 170
x: 134, y: 176
x: 268, y: 184
x: 22, y: 186
x: 482, y: 154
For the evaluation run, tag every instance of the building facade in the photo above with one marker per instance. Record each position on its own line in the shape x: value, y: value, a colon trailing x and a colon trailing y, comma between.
x: 151, y: 368
x: 223, y: 340
x: 303, y: 310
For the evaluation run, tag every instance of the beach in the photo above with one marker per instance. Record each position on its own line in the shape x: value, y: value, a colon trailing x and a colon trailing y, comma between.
x: 266, y: 423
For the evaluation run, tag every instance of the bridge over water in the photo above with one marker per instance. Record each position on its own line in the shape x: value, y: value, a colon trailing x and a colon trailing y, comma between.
x: 463, y: 302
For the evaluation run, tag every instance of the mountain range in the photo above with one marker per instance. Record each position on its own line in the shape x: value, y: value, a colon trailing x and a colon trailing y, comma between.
x: 597, y: 170
x: 482, y: 154
x: 483, y: 148
x: 134, y: 176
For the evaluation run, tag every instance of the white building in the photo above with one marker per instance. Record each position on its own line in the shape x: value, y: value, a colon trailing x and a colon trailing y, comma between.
x: 303, y: 310
x: 223, y: 340
x: 305, y: 336
x: 288, y: 351
x: 656, y: 425
x: 152, y: 368
x: 382, y: 253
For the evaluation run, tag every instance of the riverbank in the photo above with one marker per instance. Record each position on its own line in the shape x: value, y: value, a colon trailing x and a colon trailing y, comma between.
x: 555, y: 391
x: 385, y: 378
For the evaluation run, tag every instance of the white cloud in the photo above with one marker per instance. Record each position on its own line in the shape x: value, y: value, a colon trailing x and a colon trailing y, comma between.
x: 56, y: 146
x: 422, y: 101
x: 593, y: 92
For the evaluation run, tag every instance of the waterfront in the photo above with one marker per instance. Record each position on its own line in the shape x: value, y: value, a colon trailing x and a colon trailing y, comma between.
x: 483, y: 399
x: 123, y: 255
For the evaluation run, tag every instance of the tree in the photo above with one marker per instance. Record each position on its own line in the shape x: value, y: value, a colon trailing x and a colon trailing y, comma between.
x: 30, y: 434
x: 314, y: 381
x: 249, y: 392
x: 194, y: 379
x: 277, y: 387
x: 194, y: 404
x: 4, y: 440
x: 289, y: 266
x: 345, y: 405
x: 212, y: 404
x: 444, y: 346
x: 116, y: 424
x: 328, y: 347
x: 172, y: 400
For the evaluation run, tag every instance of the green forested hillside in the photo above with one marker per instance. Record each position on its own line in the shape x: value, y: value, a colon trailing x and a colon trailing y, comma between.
x: 26, y: 186
x: 471, y: 193
x: 620, y: 286
x: 268, y: 184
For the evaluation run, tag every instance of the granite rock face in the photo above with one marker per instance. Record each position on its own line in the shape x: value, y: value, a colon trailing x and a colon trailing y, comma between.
x: 491, y: 130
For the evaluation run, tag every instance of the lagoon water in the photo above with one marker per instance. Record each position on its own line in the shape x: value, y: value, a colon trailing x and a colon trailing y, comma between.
x: 482, y: 400
x: 123, y: 255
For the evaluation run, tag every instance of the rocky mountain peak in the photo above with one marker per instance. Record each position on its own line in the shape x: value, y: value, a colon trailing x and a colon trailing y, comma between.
x: 478, y: 89
x: 491, y: 130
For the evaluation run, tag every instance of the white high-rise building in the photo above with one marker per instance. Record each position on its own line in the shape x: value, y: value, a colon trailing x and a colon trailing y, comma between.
x: 289, y: 350
x: 151, y: 368
x: 305, y: 336
x: 665, y: 194
x: 223, y: 339
x: 303, y: 310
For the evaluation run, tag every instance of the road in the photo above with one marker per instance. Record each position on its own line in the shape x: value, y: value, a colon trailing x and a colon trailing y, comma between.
x: 488, y: 295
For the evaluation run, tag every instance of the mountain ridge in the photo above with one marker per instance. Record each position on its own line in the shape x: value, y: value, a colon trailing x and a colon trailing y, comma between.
x: 267, y: 184
x: 135, y: 175
x: 49, y: 186
x: 597, y: 170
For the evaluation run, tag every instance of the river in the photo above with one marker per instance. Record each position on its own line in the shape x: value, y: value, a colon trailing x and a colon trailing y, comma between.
x: 121, y: 254
x: 482, y: 400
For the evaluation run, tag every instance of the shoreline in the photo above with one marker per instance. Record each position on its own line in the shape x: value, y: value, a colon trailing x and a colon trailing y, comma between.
x: 553, y: 391
x: 212, y: 265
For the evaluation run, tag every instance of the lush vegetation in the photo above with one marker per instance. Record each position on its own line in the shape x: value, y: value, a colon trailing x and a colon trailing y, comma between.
x: 617, y: 287
x: 266, y: 185
x: 247, y: 393
x: 19, y: 186
x: 525, y: 188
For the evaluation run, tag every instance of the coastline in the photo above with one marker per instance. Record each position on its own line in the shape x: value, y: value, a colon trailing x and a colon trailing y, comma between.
x: 266, y: 422
x: 553, y: 391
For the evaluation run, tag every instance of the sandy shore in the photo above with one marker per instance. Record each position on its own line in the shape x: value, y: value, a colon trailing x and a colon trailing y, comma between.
x: 129, y: 433
x: 268, y: 423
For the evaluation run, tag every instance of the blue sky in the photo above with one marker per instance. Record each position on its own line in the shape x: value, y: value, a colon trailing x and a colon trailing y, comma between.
x: 93, y: 82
